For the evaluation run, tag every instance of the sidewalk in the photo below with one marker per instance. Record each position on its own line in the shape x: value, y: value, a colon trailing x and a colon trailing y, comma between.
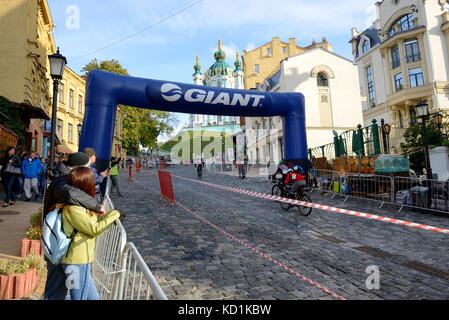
x: 14, y: 222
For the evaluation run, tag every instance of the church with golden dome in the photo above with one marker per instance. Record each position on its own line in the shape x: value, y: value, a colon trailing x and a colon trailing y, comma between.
x: 220, y: 74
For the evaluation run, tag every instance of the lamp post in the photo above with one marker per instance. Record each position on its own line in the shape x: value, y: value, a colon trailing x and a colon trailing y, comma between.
x: 79, y: 127
x: 422, y: 109
x: 387, y: 129
x: 57, y: 65
x: 384, y: 135
x: 438, y: 119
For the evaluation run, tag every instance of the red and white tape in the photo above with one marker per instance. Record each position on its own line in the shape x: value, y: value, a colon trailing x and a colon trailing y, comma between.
x: 315, y: 284
x: 321, y: 207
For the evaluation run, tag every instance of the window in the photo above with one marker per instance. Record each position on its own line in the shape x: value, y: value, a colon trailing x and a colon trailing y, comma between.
x: 416, y: 77
x: 366, y: 46
x: 269, y: 52
x: 69, y: 133
x: 398, y: 81
x: 71, y: 98
x: 80, y: 104
x: 59, y: 125
x: 405, y: 23
x: 256, y: 68
x: 401, y: 120
x: 370, y: 81
x: 61, y: 92
x: 322, y: 80
x: 284, y: 50
x: 412, y: 51
x: 395, y: 59
x: 412, y: 112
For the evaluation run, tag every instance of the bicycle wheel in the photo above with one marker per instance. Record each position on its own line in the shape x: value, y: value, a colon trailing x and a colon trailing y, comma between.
x: 279, y: 192
x: 304, y: 210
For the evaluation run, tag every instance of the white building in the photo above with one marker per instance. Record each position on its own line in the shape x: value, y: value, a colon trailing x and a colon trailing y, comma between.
x: 403, y: 58
x: 330, y: 85
x: 220, y: 74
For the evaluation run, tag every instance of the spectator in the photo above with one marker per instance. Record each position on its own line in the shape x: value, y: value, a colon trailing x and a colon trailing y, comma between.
x: 31, y: 167
x: 99, y: 177
x: 41, y: 177
x: 59, y: 192
x: 12, y: 172
x: 77, y: 262
x: 113, y: 166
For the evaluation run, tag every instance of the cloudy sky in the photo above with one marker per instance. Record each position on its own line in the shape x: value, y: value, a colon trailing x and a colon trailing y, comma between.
x: 160, y: 39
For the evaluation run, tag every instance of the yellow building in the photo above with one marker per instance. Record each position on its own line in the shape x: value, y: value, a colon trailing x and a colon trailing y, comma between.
x: 26, y: 37
x: 259, y: 63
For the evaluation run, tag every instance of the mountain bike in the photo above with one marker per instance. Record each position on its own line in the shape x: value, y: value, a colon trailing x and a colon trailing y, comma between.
x: 284, y: 191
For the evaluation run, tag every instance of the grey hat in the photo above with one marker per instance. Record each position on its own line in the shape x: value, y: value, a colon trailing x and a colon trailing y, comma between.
x: 78, y: 159
x: 89, y: 151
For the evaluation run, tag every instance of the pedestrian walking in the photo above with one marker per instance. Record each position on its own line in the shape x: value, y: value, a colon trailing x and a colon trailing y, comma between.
x: 81, y: 253
x: 99, y: 177
x: 42, y: 176
x: 59, y: 192
x: 11, y: 173
x: 31, y: 167
x: 113, y: 166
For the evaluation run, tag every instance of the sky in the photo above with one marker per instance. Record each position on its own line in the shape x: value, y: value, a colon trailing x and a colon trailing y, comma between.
x: 160, y: 39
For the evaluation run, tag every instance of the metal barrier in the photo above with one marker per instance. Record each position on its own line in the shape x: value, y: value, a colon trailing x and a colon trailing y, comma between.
x: 111, y: 269
x: 411, y: 192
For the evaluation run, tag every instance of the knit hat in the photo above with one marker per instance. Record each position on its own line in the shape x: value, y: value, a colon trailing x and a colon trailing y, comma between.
x: 89, y: 151
x: 78, y: 159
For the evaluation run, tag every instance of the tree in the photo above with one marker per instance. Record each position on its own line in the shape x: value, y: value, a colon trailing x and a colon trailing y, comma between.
x: 414, y: 144
x: 141, y: 127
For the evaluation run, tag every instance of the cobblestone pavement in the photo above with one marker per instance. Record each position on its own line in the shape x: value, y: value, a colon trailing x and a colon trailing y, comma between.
x: 192, y: 260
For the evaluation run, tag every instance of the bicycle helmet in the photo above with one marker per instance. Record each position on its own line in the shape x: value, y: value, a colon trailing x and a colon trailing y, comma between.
x: 297, y: 168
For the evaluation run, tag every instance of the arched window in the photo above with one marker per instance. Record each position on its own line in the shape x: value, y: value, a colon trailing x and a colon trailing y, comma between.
x: 366, y: 46
x: 322, y: 80
x: 405, y: 23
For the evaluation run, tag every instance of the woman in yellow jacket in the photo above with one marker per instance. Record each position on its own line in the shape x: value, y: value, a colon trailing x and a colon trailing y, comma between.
x: 77, y: 262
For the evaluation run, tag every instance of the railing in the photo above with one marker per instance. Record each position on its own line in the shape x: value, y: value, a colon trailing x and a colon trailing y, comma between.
x: 111, y: 269
x: 402, y: 191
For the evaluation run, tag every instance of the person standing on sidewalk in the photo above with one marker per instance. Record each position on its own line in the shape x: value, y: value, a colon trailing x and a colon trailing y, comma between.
x: 31, y: 167
x: 99, y: 177
x: 59, y: 192
x: 113, y: 166
x: 41, y: 177
x: 81, y: 253
x: 12, y: 172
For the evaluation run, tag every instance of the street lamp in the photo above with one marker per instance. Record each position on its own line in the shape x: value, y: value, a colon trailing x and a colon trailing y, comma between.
x: 438, y: 119
x: 79, y: 127
x: 422, y: 109
x: 57, y: 65
x: 387, y: 129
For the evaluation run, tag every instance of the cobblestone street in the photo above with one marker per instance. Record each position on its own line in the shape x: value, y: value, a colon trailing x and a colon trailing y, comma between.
x: 192, y: 260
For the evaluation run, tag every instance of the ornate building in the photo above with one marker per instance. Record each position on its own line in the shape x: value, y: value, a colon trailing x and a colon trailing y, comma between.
x: 220, y: 74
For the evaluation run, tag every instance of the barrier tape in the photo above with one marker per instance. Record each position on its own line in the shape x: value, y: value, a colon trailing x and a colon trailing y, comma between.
x: 302, y: 277
x: 321, y: 207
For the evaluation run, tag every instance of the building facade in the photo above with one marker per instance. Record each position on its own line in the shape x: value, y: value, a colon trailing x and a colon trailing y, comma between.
x: 330, y: 85
x: 26, y: 40
x: 403, y: 58
x: 220, y: 74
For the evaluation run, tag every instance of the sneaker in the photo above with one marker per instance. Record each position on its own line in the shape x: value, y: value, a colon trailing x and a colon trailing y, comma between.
x: 27, y: 199
x: 12, y: 202
x: 4, y: 205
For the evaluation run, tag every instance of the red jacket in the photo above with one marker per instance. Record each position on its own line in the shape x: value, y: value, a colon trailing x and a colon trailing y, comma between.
x: 293, y: 177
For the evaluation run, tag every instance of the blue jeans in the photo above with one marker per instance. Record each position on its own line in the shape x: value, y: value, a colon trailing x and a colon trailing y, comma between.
x: 79, y: 282
x: 41, y: 183
x: 55, y: 288
x: 10, y: 195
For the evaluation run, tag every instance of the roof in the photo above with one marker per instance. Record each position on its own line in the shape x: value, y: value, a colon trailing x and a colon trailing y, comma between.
x: 315, y: 49
x: 31, y: 111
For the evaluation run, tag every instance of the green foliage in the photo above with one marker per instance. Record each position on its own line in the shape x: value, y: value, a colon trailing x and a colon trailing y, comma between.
x: 141, y: 127
x: 35, y: 218
x: 34, y: 233
x: 414, y: 142
x: 7, y: 108
x: 8, y: 267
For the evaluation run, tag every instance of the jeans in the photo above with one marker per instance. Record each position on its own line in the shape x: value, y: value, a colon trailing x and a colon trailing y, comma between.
x: 41, y: 183
x: 115, y: 183
x: 55, y: 287
x: 10, y: 195
x: 79, y: 282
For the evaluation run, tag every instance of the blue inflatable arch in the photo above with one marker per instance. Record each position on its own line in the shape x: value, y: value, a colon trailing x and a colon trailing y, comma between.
x: 105, y: 90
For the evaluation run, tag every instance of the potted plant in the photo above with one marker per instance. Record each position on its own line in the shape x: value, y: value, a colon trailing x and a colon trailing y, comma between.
x: 18, y: 279
x: 32, y: 243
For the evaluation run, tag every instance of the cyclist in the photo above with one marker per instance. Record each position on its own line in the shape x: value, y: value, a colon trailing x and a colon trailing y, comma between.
x: 295, y: 178
x: 199, y: 167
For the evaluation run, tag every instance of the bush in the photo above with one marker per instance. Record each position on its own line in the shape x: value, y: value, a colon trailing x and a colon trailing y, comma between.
x: 8, y: 267
x: 35, y: 219
x: 34, y: 233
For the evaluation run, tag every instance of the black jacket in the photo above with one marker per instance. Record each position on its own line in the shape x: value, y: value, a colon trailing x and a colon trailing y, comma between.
x: 60, y: 192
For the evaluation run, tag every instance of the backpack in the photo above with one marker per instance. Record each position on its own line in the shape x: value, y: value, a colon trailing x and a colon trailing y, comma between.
x: 55, y: 242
